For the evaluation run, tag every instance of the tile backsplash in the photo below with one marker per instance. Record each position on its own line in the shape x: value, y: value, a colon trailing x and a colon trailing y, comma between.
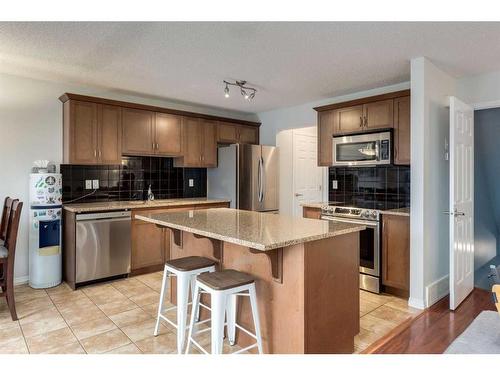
x: 380, y: 187
x: 130, y: 180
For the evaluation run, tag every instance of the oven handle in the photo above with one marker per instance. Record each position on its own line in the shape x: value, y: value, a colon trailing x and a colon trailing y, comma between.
x: 351, y: 221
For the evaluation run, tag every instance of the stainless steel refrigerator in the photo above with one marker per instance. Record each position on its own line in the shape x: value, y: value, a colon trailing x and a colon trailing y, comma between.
x: 248, y: 175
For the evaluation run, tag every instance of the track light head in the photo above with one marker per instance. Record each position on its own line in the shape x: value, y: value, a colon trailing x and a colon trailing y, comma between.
x: 247, y: 92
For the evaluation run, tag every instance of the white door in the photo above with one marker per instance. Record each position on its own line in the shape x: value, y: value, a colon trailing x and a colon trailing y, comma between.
x: 307, y: 176
x: 461, y: 201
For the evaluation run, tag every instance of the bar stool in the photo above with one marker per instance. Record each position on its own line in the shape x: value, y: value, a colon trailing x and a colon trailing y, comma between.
x: 185, y: 269
x: 224, y: 288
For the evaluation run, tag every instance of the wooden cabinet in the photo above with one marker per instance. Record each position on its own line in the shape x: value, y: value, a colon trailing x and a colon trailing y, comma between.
x: 396, y: 251
x: 348, y: 120
x: 311, y: 212
x: 234, y: 133
x: 168, y: 134
x: 378, y: 115
x: 91, y: 133
x: 138, y: 132
x: 358, y: 116
x: 200, y: 143
x: 402, y: 130
x: 100, y: 131
x: 109, y: 134
x: 325, y: 141
x: 248, y: 134
x: 151, y: 244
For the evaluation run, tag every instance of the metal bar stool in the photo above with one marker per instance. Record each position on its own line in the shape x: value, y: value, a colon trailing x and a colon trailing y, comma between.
x: 224, y: 288
x: 185, y: 269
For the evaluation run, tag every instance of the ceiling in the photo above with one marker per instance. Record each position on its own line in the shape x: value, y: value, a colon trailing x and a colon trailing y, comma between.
x: 289, y: 63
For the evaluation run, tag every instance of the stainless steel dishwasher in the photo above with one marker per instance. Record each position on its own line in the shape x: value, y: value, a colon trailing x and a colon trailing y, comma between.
x: 103, y: 245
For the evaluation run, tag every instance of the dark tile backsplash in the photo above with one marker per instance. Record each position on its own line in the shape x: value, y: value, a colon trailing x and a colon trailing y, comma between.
x: 131, y: 179
x: 381, y: 187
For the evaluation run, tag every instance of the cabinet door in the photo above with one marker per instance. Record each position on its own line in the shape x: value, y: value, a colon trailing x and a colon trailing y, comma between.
x: 192, y: 142
x: 110, y: 134
x: 137, y: 128
x: 379, y: 115
x: 209, y: 144
x: 402, y: 130
x: 227, y: 132
x: 311, y: 212
x: 396, y: 251
x: 84, y: 132
x: 248, y: 134
x: 168, y: 134
x: 348, y: 120
x: 325, y: 142
x: 148, y: 243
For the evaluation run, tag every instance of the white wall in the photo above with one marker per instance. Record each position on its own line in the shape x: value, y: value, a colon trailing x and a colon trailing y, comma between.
x: 429, y: 259
x: 304, y: 115
x: 31, y: 129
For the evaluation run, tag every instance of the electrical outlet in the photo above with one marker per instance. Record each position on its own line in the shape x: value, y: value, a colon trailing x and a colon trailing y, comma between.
x: 88, y: 184
x: 191, y: 182
x: 95, y: 184
x: 334, y: 184
x: 191, y: 214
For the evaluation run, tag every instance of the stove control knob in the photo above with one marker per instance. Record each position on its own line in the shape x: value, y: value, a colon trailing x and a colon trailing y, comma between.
x: 374, y: 214
x: 331, y: 210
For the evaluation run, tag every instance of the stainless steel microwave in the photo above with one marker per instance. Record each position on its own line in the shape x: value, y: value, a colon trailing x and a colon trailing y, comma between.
x: 362, y: 150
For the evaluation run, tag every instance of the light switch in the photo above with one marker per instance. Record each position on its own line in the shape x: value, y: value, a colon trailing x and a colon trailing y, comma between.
x: 95, y: 184
x: 88, y: 184
x: 334, y: 184
x: 191, y: 182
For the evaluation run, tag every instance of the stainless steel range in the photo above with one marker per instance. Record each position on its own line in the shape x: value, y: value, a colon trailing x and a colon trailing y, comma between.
x: 369, y: 244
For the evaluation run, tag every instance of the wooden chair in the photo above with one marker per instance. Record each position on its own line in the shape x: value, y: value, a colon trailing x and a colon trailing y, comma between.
x: 7, y: 256
x: 7, y: 205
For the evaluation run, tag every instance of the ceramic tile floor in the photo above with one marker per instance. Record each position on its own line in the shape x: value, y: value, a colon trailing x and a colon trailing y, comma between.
x: 380, y: 314
x: 119, y: 318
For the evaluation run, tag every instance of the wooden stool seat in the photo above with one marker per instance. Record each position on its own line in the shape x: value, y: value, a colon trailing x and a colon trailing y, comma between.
x: 190, y: 263
x: 226, y: 279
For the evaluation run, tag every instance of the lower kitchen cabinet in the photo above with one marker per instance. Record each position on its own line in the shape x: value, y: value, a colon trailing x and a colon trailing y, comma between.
x: 151, y: 244
x: 311, y: 212
x: 396, y: 252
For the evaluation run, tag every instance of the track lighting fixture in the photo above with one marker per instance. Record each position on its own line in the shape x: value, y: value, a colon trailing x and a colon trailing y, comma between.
x: 247, y: 92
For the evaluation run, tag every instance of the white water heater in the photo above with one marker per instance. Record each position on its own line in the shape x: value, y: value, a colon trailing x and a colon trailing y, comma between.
x: 45, y: 260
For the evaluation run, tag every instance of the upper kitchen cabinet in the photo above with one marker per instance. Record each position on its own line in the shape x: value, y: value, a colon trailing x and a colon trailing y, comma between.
x: 348, y: 120
x: 325, y: 141
x: 358, y: 116
x: 91, y: 133
x: 100, y: 131
x: 200, y: 143
x: 378, y: 115
x: 168, y: 134
x: 138, y: 132
x: 402, y: 130
x: 235, y: 133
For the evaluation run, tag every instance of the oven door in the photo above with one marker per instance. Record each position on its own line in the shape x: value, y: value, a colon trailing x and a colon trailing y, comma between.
x: 369, y: 245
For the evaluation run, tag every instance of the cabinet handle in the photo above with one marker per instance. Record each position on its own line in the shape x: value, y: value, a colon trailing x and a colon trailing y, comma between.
x: 153, y: 145
x: 95, y: 153
x: 366, y: 121
x: 157, y: 146
x: 99, y: 154
x: 360, y: 121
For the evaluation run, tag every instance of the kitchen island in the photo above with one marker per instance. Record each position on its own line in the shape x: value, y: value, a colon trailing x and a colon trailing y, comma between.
x: 306, y: 271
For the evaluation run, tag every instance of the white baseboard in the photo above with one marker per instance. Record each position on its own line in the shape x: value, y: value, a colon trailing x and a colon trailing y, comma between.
x: 416, y: 303
x: 437, y: 290
x: 21, y: 280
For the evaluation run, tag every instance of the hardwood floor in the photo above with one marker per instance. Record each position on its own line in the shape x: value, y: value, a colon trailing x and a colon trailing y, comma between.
x: 434, y: 330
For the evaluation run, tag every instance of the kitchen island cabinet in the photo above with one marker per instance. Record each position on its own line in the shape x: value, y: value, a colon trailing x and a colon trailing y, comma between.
x: 306, y: 272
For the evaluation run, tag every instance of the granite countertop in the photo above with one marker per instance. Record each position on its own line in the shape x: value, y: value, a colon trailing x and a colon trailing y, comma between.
x: 122, y: 205
x: 257, y: 230
x: 405, y: 211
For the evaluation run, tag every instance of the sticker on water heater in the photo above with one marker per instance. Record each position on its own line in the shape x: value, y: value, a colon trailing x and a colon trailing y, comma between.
x: 50, y: 180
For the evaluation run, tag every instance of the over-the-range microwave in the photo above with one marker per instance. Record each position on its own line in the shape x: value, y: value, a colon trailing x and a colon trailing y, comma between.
x: 362, y: 150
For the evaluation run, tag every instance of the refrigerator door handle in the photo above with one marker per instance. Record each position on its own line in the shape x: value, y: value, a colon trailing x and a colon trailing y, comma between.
x: 259, y: 179
x: 263, y: 178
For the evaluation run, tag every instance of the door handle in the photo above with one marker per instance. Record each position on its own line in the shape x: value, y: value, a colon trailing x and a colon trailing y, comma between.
x: 263, y: 192
x: 298, y: 195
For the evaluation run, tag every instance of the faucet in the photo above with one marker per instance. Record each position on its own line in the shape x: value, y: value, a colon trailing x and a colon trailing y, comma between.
x: 151, y: 196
